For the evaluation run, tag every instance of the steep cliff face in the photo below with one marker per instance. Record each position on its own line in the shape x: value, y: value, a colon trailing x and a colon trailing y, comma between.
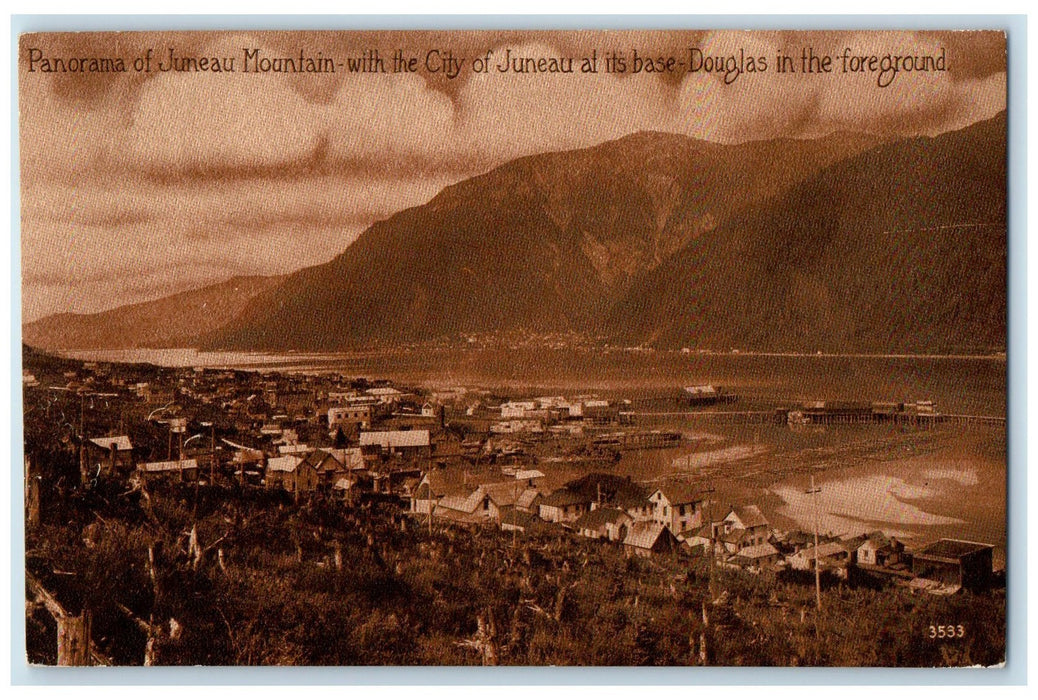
x: 900, y: 248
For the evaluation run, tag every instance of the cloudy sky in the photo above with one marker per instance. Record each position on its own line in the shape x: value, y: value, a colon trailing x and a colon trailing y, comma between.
x: 139, y: 185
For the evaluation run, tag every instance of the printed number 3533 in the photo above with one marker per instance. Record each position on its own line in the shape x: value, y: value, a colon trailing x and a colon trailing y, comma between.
x: 947, y: 631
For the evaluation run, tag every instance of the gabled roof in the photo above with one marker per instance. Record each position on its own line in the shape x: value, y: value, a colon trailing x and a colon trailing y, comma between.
x: 564, y: 497
x: 734, y: 536
x: 827, y: 549
x: 757, y: 551
x: 352, y: 458
x: 322, y: 460
x: 678, y: 493
x: 503, y: 493
x: 797, y: 537
x: 517, y: 518
x: 646, y: 534
x: 456, y: 481
x: 629, y: 501
x: 388, y: 439
x: 286, y: 463
x: 465, y: 504
x: 527, y: 498
x: 246, y: 454
x: 600, y: 517
x: 851, y: 544
x: 747, y: 516
x: 121, y: 442
x: 459, y: 504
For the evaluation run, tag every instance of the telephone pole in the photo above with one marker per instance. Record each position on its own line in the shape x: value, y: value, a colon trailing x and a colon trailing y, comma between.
x: 818, y: 577
x: 706, y: 637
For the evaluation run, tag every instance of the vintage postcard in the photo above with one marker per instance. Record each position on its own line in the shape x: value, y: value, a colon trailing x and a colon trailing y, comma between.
x: 527, y: 348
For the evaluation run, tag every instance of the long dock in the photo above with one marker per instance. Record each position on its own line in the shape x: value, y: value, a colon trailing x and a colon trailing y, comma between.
x: 758, y: 417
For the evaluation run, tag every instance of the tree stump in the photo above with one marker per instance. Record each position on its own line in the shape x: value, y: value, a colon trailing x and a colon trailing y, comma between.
x: 74, y: 640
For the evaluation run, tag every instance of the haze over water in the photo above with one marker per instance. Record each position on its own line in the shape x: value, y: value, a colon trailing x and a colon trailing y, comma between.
x: 958, y: 384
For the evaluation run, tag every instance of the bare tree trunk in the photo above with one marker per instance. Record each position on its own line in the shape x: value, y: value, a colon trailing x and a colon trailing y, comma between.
x: 194, y: 551
x: 75, y: 648
x: 150, y: 652
x: 487, y: 636
x: 32, y: 502
x: 153, y: 632
x: 152, y: 574
x: 74, y: 640
x: 704, y: 652
x: 338, y: 556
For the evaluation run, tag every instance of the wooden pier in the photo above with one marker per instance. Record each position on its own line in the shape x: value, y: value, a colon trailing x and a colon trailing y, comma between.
x: 781, y: 417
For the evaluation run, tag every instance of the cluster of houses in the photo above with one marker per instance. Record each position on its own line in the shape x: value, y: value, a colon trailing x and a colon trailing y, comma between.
x: 671, y: 519
x: 374, y: 438
x: 381, y: 462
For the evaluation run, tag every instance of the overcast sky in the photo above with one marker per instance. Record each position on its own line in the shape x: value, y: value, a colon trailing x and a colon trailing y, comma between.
x: 139, y: 185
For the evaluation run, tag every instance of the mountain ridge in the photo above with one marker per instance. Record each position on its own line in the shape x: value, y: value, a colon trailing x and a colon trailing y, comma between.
x: 849, y: 242
x: 545, y: 242
x: 170, y: 321
x: 900, y: 248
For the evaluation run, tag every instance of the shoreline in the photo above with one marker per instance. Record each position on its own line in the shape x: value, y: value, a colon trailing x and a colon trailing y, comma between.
x: 99, y: 354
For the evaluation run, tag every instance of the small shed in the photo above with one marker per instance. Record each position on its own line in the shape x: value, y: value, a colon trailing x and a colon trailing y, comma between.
x: 647, y: 538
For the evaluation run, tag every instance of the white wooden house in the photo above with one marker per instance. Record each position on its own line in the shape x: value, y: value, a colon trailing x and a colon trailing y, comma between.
x: 750, y: 521
x: 677, y: 507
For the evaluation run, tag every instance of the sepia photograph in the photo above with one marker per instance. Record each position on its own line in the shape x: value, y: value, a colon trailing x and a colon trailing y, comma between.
x: 589, y: 348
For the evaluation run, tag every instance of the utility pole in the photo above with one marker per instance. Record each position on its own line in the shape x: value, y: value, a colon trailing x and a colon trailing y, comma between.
x: 705, y: 638
x: 82, y: 443
x: 818, y: 577
x: 713, y: 545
